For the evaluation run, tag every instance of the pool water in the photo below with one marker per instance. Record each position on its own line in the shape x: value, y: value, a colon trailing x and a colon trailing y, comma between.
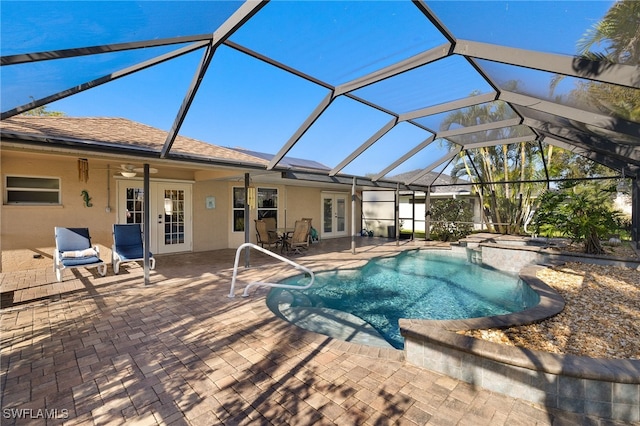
x: 414, y: 284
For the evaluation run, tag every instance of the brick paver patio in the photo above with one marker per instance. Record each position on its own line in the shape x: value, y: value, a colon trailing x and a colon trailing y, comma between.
x: 110, y: 350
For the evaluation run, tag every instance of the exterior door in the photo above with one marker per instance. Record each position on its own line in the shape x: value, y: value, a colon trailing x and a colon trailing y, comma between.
x: 334, y: 215
x: 173, y: 217
x: 170, y: 204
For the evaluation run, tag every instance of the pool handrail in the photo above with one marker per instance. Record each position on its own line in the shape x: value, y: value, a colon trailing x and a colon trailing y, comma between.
x: 256, y: 283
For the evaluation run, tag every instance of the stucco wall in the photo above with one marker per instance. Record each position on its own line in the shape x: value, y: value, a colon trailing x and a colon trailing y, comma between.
x: 32, y: 226
x: 211, y: 225
x: 303, y: 202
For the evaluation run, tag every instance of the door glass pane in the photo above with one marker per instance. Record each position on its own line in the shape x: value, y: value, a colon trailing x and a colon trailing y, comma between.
x: 341, y: 214
x: 174, y: 216
x: 327, y: 212
x: 135, y: 205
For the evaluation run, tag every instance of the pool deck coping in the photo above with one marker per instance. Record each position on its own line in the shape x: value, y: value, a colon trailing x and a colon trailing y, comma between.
x: 445, y: 332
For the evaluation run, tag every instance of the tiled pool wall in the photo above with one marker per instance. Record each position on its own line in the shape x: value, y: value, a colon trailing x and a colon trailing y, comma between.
x: 607, y: 388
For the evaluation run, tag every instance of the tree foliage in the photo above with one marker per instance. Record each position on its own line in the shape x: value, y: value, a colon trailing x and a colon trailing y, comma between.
x: 613, y: 40
x: 506, y: 205
x: 451, y: 219
x: 581, y: 212
x: 618, y: 33
x: 42, y: 111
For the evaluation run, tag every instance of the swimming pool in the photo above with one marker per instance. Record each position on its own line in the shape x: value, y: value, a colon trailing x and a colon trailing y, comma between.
x: 414, y: 285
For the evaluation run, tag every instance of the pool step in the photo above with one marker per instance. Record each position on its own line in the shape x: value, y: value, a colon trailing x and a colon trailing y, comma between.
x: 474, y: 255
x: 333, y: 323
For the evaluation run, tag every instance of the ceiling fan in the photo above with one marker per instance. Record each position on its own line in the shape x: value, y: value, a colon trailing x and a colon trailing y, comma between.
x: 129, y: 170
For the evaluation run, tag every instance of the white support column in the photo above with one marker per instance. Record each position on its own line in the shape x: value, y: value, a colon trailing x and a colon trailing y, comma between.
x: 353, y: 216
x: 397, y: 215
x: 427, y: 214
x: 247, y: 213
x: 147, y: 222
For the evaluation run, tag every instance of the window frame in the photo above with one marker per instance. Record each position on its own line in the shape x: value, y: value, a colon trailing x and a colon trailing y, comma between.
x: 235, y: 209
x: 26, y: 189
x: 261, y: 210
x: 240, y: 208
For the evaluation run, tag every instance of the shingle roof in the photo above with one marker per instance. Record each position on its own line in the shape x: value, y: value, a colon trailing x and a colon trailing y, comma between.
x: 118, y: 131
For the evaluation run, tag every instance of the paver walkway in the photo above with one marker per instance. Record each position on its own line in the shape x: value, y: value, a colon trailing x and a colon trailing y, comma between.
x: 109, y: 350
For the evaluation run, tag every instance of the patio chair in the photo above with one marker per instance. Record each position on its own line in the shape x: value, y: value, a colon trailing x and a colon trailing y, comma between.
x: 313, y: 234
x: 266, y: 236
x: 271, y: 223
x: 74, y: 250
x: 300, y: 238
x: 128, y: 246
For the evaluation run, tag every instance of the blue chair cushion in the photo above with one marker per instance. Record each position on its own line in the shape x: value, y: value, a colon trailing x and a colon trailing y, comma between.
x: 128, y: 241
x: 130, y: 252
x: 70, y: 239
x: 127, y: 235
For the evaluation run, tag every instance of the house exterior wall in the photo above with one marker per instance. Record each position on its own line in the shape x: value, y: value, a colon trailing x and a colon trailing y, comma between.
x: 304, y: 202
x: 295, y: 203
x: 211, y: 226
x: 31, y: 226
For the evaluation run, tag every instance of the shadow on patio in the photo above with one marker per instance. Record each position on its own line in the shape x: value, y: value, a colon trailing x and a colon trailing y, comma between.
x: 180, y: 351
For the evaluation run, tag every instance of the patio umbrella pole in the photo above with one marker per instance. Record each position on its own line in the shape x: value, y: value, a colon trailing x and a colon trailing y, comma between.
x: 147, y: 221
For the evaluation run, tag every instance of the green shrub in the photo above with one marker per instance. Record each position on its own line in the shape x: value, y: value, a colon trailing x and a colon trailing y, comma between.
x: 584, y: 216
x: 451, y: 219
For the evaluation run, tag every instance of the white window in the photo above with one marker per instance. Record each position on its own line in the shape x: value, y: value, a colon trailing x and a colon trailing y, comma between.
x: 267, y: 199
x: 238, y: 209
x: 267, y: 203
x: 32, y: 190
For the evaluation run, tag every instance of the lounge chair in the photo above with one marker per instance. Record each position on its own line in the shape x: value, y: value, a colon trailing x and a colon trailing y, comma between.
x: 266, y: 236
x: 74, y: 250
x: 300, y: 237
x: 127, y: 246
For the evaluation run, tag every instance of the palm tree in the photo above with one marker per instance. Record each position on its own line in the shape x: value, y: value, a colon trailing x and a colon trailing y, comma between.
x: 507, y: 204
x: 618, y: 31
x: 613, y: 40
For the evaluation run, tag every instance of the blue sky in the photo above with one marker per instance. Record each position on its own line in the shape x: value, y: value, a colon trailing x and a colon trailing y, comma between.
x: 246, y: 103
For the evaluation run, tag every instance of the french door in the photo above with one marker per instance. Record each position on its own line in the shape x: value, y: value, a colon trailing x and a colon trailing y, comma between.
x: 170, y: 213
x: 334, y: 215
